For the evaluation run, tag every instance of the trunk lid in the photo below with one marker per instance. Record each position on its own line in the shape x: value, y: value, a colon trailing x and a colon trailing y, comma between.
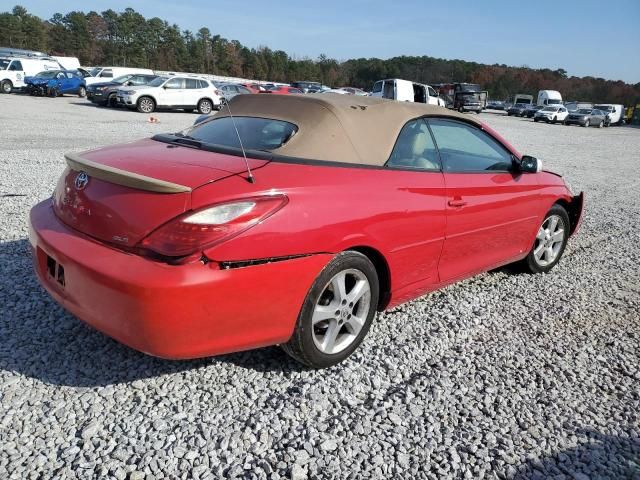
x: 120, y: 194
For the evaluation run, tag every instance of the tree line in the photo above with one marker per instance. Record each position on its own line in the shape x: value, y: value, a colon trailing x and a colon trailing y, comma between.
x: 129, y: 39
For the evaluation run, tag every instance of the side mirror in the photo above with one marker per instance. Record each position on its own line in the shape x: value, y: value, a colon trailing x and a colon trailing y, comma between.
x: 129, y: 83
x: 529, y: 164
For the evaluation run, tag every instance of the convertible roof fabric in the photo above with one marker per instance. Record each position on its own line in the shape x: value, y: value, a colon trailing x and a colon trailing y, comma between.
x: 338, y: 128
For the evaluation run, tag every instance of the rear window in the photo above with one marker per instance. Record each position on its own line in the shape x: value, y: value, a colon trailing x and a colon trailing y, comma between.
x: 256, y: 133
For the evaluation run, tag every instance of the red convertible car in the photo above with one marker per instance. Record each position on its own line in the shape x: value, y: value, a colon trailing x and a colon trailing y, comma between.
x: 291, y: 222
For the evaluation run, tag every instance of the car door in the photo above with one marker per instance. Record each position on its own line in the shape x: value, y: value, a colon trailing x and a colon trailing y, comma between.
x: 492, y: 209
x: 18, y: 71
x: 416, y: 192
x: 172, y: 93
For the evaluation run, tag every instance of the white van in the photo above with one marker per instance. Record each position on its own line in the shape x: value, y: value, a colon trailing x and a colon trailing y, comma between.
x: 406, y: 91
x: 615, y: 112
x: 549, y: 97
x: 106, y: 74
x: 14, y: 69
x: 523, y: 98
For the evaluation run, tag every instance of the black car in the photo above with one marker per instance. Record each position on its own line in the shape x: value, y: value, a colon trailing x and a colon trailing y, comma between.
x: 518, y: 109
x: 104, y: 93
x: 531, y: 110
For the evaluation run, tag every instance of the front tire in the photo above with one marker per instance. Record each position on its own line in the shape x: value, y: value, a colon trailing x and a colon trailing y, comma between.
x: 146, y: 105
x: 601, y: 124
x: 205, y: 106
x: 82, y: 92
x: 550, y: 241
x: 337, y: 312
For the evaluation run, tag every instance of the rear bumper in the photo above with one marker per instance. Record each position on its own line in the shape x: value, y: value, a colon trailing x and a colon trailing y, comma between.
x: 185, y: 311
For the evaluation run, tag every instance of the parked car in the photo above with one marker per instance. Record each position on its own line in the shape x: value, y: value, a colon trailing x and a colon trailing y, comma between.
x: 175, y: 92
x: 495, y: 105
x: 307, y: 87
x: 531, y: 110
x: 517, y: 109
x: 551, y: 114
x: 55, y: 83
x: 354, y: 91
x: 105, y: 93
x: 282, y: 90
x: 587, y: 117
x: 105, y: 74
x: 572, y: 106
x: 230, y: 90
x: 195, y: 246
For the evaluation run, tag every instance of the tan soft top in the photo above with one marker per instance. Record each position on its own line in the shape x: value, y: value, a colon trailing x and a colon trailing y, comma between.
x: 338, y: 128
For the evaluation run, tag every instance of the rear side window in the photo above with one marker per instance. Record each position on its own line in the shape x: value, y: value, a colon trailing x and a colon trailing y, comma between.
x: 191, y: 83
x: 256, y: 133
x: 464, y: 148
x: 377, y: 87
x: 414, y: 148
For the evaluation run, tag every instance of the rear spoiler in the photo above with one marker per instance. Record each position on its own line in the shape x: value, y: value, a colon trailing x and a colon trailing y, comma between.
x: 122, y: 177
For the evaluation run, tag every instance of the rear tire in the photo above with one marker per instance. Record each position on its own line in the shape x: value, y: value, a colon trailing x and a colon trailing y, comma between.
x: 205, y: 106
x: 146, y: 105
x: 337, y: 312
x: 550, y: 242
x: 6, y: 86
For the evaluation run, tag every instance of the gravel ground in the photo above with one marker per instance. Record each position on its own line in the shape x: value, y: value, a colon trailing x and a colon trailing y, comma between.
x: 500, y: 376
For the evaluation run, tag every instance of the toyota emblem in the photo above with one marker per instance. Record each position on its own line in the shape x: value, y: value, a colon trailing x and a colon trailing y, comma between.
x: 82, y: 179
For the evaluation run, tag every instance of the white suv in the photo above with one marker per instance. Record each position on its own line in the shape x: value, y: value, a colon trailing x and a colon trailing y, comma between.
x: 178, y: 93
x: 551, y: 113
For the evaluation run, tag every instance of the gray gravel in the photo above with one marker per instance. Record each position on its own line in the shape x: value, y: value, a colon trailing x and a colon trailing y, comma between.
x: 500, y: 376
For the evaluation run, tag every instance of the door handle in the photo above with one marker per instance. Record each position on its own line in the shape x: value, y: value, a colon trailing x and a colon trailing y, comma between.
x: 457, y: 202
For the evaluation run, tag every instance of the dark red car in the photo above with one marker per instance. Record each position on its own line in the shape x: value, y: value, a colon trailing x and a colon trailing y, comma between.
x: 180, y: 246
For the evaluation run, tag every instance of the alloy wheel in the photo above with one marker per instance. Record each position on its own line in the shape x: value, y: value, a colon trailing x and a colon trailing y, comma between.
x: 146, y: 105
x: 341, y: 311
x: 549, y: 240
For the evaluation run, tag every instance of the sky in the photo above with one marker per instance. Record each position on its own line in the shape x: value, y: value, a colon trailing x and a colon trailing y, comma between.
x: 585, y: 37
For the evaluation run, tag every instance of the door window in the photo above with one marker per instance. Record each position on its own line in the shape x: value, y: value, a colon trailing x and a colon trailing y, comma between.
x: 107, y: 73
x: 464, y: 148
x: 414, y: 148
x: 16, y: 66
x: 175, y: 83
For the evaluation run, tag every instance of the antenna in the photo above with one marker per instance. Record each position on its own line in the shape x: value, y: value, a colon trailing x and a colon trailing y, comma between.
x: 250, y: 177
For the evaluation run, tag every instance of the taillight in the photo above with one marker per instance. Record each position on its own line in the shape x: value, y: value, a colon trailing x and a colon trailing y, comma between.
x: 209, y: 226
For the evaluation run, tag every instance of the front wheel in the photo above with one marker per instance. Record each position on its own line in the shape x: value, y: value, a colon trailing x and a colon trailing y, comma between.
x: 82, y: 92
x: 550, y: 241
x: 146, y: 105
x: 601, y: 124
x: 337, y: 312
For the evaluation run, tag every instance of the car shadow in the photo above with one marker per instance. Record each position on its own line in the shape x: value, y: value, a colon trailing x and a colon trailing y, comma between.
x: 596, y: 456
x: 41, y: 340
